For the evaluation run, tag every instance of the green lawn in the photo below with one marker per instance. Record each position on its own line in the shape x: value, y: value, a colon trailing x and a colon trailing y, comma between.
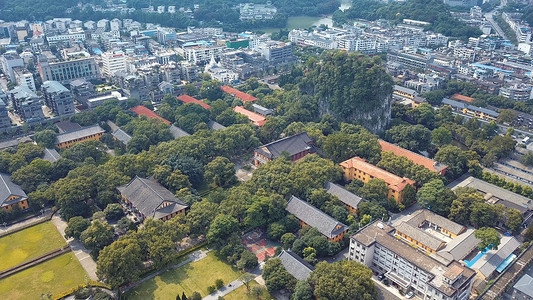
x: 196, y: 276
x: 29, y: 243
x: 242, y: 294
x: 54, y: 276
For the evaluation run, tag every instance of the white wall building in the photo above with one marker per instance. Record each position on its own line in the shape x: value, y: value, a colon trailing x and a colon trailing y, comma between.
x: 113, y: 61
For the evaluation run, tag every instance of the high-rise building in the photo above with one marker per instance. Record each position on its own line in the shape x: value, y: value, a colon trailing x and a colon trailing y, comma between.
x: 58, y: 98
x: 8, y: 61
x: 113, y: 61
x: 24, y: 77
x: 67, y: 71
x: 26, y: 103
x: 4, y: 118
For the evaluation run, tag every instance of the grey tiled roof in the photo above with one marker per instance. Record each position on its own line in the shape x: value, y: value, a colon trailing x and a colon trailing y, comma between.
x: 51, y: 155
x: 122, y: 136
x: 66, y: 126
x: 494, y: 194
x: 460, y: 246
x: 461, y: 105
x: 315, y: 218
x: 420, y: 236
x: 343, y: 194
x: 215, y: 125
x: 177, y: 132
x: 54, y: 87
x: 525, y: 285
x: 292, y: 144
x: 421, y: 215
x: 79, y: 133
x: 147, y: 196
x: 405, y: 90
x: 295, y: 265
x: 8, y: 189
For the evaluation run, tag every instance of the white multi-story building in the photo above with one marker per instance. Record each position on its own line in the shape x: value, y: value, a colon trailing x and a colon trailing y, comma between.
x: 73, y: 34
x: 113, y: 61
x: 24, y: 78
x: 201, y: 52
x: 115, y: 25
x: 252, y: 11
x: 8, y: 61
x: 410, y: 269
x: 517, y: 92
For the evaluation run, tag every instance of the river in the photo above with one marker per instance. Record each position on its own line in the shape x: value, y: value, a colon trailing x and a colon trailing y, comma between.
x: 306, y: 22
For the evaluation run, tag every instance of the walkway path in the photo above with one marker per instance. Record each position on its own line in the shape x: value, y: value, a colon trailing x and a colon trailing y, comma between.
x: 28, y: 222
x: 223, y: 291
x: 195, y: 256
x: 82, y: 253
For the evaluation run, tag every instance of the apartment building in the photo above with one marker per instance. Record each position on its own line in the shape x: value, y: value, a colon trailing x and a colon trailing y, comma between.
x: 113, y: 61
x: 58, y: 98
x: 26, y: 103
x: 517, y: 92
x: 408, y: 269
x: 5, y: 122
x: 471, y: 110
x: 358, y: 168
x: 69, y: 70
x: 24, y: 77
x: 8, y: 61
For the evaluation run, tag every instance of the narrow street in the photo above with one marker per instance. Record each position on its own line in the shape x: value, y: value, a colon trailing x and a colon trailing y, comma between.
x: 489, y: 17
x: 82, y: 253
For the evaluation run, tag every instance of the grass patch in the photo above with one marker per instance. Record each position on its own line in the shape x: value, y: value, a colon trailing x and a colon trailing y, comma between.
x: 54, y: 276
x: 195, y: 276
x: 29, y: 243
x: 242, y: 294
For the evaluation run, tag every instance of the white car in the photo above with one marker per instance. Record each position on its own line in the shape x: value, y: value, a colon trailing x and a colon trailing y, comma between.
x: 410, y: 295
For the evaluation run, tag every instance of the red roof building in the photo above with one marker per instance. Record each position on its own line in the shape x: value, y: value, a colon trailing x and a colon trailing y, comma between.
x: 141, y: 110
x: 236, y: 93
x: 462, y: 98
x: 414, y: 157
x: 254, y: 118
x: 189, y: 99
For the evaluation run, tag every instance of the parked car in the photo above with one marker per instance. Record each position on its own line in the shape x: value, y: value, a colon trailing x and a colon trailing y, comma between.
x: 410, y: 295
x: 381, y: 277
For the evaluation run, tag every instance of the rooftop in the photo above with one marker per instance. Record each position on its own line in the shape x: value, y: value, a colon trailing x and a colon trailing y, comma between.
x: 189, y: 99
x: 343, y: 194
x: 295, y: 265
x: 151, y: 198
x: 79, y: 133
x: 394, y: 182
x: 255, y: 118
x: 141, y: 110
x: 293, y: 145
x: 122, y: 136
x: 54, y: 87
x: 414, y: 157
x: 315, y: 218
x: 236, y: 93
x: 51, y: 155
x: 494, y: 194
x: 381, y: 233
x: 462, y: 98
x: 9, y: 189
x: 525, y: 285
x: 177, y: 132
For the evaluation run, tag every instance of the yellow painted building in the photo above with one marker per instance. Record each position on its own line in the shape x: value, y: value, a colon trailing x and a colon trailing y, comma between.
x: 68, y: 139
x: 358, y: 168
x: 11, y: 195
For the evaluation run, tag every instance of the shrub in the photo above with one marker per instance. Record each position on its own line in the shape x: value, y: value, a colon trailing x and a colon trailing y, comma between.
x: 219, y: 283
x: 211, y: 289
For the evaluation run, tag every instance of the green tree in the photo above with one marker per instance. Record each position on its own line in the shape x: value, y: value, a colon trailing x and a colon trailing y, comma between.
x: 454, y: 158
x: 120, y: 262
x: 46, y: 137
x: 113, y: 211
x: 276, y: 276
x: 375, y: 190
x: 434, y: 196
x: 211, y: 90
x: 200, y: 215
x: 221, y: 228
x: 441, y: 136
x: 514, y: 220
x: 76, y: 226
x: 412, y: 137
x: 220, y: 171
x: 343, y: 280
x: 302, y: 291
x: 489, y: 238
x: 97, y: 236
x: 506, y: 116
x: 287, y: 240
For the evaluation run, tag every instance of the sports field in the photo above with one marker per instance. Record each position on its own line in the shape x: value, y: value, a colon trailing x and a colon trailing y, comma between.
x: 29, y: 243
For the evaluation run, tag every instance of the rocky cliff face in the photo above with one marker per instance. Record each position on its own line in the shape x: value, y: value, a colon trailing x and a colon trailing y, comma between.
x: 353, y: 88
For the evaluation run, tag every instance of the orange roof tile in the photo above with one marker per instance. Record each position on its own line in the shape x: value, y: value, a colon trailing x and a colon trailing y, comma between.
x: 394, y: 182
x: 462, y: 98
x: 189, y: 99
x: 415, y: 158
x: 141, y: 110
x: 256, y: 119
x: 243, y: 96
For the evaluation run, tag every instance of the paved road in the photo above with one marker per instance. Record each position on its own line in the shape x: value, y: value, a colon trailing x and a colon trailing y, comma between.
x: 82, y: 253
x: 489, y: 17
